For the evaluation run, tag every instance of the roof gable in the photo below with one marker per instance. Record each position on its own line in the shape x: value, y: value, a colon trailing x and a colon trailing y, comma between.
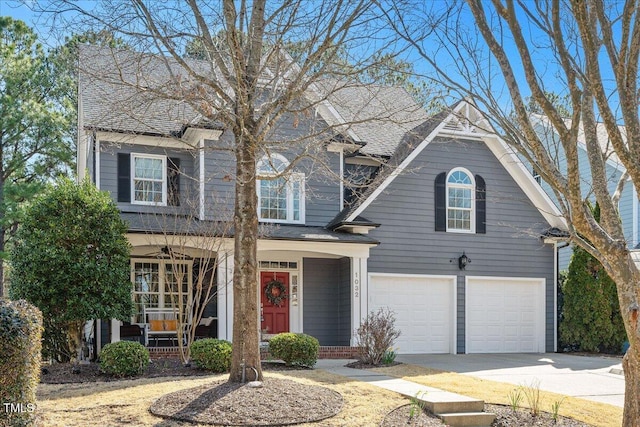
x: 462, y: 120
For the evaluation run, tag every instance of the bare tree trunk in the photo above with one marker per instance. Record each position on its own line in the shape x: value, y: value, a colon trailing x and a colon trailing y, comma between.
x: 75, y: 339
x: 631, y: 365
x: 245, y: 286
x: 626, y: 278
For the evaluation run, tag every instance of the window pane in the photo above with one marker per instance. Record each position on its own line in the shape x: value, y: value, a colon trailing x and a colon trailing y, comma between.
x: 459, y: 219
x: 148, y: 191
x: 146, y: 168
x: 296, y: 200
x: 459, y: 177
x: 146, y: 286
x: 280, y: 199
x: 146, y: 278
x: 273, y: 199
x: 148, y: 178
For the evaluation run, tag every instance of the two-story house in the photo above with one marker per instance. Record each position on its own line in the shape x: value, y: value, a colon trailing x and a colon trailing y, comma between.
x: 427, y: 216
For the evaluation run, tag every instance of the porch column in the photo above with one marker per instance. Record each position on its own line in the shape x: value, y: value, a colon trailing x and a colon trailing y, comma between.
x: 225, y: 295
x: 359, y: 294
x: 115, y: 330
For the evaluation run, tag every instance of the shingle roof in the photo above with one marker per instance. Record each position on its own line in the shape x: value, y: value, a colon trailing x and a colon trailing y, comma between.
x: 380, y: 116
x: 408, y: 143
x: 117, y: 92
x: 174, y: 224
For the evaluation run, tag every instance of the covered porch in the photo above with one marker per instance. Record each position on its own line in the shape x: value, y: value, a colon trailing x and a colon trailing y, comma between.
x: 321, y: 274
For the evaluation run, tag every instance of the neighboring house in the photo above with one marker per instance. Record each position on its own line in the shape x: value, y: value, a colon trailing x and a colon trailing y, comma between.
x: 628, y: 204
x: 438, y: 222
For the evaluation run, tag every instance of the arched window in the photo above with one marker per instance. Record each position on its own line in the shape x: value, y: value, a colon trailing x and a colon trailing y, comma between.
x: 280, y: 196
x: 460, y: 202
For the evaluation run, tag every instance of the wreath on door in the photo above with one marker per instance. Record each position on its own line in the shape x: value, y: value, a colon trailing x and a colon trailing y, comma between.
x: 276, y: 292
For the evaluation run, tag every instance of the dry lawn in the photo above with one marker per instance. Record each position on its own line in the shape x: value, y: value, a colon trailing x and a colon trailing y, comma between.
x: 127, y: 402
x: 594, y: 413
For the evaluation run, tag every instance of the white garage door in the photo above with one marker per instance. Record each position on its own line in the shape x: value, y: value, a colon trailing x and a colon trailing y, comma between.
x: 505, y: 315
x: 423, y: 307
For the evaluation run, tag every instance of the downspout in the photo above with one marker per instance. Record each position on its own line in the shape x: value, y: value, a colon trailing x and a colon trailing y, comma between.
x: 81, y: 150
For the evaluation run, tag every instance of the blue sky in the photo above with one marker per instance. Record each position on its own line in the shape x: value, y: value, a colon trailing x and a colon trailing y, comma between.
x: 19, y: 9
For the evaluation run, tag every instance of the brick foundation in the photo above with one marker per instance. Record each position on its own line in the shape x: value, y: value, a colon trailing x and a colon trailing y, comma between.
x: 325, y: 352
x: 163, y: 352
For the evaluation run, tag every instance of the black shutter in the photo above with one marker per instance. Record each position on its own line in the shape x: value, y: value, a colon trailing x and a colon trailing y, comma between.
x: 124, y: 177
x: 173, y: 181
x: 441, y: 202
x: 481, y: 205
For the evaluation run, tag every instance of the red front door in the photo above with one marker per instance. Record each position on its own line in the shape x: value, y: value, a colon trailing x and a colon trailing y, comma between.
x: 275, y: 306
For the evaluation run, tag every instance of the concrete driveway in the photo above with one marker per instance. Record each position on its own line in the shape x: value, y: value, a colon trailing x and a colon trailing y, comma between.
x: 599, y: 379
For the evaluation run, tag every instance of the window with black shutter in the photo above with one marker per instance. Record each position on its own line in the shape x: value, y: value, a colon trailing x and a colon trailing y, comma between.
x: 124, y: 177
x: 441, y: 201
x: 460, y: 202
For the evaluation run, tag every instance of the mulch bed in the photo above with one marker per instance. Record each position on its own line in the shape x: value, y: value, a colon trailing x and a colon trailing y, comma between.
x: 277, y: 402
x: 361, y: 365
x: 67, y: 373
x: 505, y: 417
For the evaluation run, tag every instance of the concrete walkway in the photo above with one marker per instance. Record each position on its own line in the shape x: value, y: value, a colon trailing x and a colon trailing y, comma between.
x: 598, y: 379
x: 454, y: 409
x: 407, y: 388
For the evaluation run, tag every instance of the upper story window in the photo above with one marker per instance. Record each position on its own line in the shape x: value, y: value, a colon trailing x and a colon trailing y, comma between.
x: 149, y: 179
x: 460, y: 202
x: 280, y: 195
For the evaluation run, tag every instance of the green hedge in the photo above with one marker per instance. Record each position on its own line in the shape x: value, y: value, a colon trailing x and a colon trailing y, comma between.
x: 124, y: 359
x: 212, y: 354
x: 20, y: 346
x: 590, y: 316
x: 295, y: 349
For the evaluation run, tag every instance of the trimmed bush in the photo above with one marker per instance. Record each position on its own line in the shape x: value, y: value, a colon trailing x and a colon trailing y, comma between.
x: 20, y: 346
x: 124, y: 359
x: 295, y: 349
x: 376, y: 336
x: 212, y: 354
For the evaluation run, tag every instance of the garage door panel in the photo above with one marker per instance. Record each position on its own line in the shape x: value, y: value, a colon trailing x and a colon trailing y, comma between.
x: 504, y: 315
x: 423, y: 308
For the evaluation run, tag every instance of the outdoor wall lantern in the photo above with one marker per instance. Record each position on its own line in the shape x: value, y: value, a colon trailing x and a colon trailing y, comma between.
x: 463, y: 261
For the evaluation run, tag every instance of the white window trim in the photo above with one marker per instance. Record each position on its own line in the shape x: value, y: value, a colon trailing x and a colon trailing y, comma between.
x: 472, y: 218
x: 162, y: 270
x: 135, y: 156
x: 290, y: 179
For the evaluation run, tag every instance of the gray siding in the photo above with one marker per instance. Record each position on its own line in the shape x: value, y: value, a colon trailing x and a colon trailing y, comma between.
x: 511, y: 246
x: 219, y: 179
x: 321, y: 169
x: 109, y: 176
x: 323, y: 301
